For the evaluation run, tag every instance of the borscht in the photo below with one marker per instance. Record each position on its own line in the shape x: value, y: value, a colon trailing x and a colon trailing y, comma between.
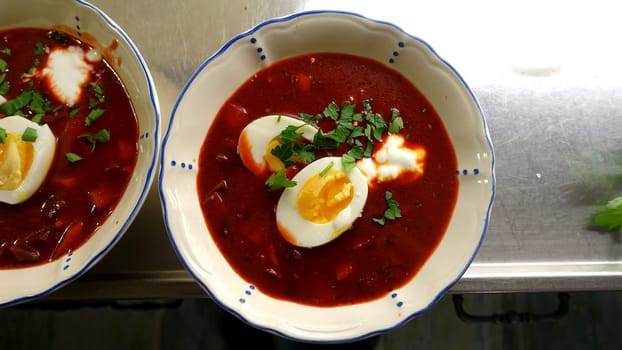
x: 68, y: 144
x: 327, y: 179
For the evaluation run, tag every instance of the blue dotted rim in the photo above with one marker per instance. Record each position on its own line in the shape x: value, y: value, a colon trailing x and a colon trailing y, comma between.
x: 248, y: 34
x: 150, y: 172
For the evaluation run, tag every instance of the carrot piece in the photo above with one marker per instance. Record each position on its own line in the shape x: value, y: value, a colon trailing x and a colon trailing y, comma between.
x: 126, y: 152
x: 102, y: 196
x: 66, y: 181
x: 303, y: 82
x: 343, y: 271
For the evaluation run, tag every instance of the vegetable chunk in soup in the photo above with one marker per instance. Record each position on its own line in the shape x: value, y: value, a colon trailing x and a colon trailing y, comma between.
x: 68, y: 144
x: 327, y: 179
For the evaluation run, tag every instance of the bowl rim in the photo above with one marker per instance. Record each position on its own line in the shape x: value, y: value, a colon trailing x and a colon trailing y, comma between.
x: 153, y: 98
x: 250, y: 32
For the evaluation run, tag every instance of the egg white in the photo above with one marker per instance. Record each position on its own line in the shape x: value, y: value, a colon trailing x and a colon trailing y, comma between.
x: 43, y: 154
x: 296, y: 229
x: 255, y: 139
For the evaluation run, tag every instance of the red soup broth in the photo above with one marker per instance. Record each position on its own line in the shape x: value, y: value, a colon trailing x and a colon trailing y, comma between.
x: 365, y: 262
x: 75, y: 198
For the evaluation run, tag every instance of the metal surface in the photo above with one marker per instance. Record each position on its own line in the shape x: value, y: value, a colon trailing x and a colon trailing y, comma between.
x: 548, y: 78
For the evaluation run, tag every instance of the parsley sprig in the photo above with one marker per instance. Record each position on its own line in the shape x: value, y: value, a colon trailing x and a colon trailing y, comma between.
x: 392, y: 212
x: 610, y: 216
x: 4, y: 68
x: 279, y: 180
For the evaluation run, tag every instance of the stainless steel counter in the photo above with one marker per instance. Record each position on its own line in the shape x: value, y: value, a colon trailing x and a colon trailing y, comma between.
x: 549, y: 79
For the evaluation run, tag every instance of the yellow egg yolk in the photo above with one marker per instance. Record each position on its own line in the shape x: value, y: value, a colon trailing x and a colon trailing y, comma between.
x: 16, y: 157
x: 274, y: 163
x: 323, y: 196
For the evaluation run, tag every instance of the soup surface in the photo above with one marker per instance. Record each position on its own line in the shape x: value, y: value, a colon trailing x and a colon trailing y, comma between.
x: 379, y: 253
x: 56, y: 81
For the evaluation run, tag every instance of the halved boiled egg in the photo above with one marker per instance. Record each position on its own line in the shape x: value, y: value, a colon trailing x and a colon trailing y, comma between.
x: 26, y: 153
x: 323, y: 204
x: 260, y: 136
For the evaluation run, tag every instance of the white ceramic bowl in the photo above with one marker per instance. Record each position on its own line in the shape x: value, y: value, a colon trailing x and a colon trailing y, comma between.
x: 19, y: 285
x: 220, y: 75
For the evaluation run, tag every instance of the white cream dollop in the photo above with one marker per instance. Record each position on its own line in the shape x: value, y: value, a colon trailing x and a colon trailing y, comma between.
x: 66, y: 71
x: 393, y: 160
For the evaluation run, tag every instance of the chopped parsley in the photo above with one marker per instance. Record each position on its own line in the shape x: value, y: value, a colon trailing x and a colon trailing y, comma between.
x: 99, y: 93
x: 326, y: 169
x: 610, y: 216
x: 279, y: 180
x: 38, y: 103
x: 10, y: 107
x: 2, y: 135
x: 6, y: 51
x: 348, y: 162
x: 93, y: 116
x: 4, y: 84
x: 37, y: 118
x: 397, y: 123
x: 58, y: 36
x: 102, y: 136
x: 74, y: 112
x: 29, y: 135
x: 72, y: 157
x: 39, y: 49
x: 392, y: 212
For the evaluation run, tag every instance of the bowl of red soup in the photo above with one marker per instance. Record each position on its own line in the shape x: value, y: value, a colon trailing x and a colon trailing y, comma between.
x: 79, y: 134
x: 326, y: 177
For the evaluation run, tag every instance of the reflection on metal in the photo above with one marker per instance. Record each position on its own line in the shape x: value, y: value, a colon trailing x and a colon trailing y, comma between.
x: 512, y: 317
x: 557, y: 136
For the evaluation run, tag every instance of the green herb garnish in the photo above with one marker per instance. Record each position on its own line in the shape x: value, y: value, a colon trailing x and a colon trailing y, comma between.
x: 99, y: 93
x: 72, y: 157
x: 392, y: 212
x: 4, y: 84
x: 304, y: 152
x: 610, y: 216
x: 397, y: 123
x: 10, y: 107
x: 74, y: 112
x: 326, y: 169
x: 39, y: 104
x: 39, y: 49
x: 290, y: 149
x: 347, y: 162
x: 6, y: 51
x: 2, y: 135
x: 58, y: 36
x: 284, y: 152
x: 93, y: 116
x: 37, y: 118
x: 29, y: 135
x: 279, y: 180
x: 102, y: 136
